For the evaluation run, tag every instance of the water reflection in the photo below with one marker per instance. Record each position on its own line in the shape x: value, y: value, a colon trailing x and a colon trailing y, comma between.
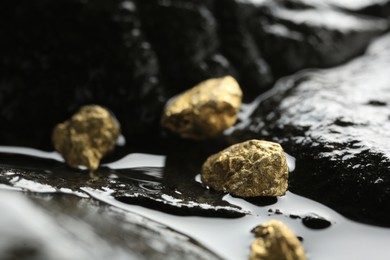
x: 144, y: 182
x: 164, y: 195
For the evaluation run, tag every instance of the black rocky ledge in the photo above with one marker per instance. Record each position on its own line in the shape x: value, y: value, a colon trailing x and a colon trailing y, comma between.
x: 336, y: 123
x: 131, y: 56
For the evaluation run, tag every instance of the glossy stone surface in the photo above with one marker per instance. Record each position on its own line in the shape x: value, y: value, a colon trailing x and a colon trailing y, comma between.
x: 264, y: 40
x: 59, y: 226
x: 131, y: 56
x: 293, y: 35
x: 168, y: 186
x: 86, y: 137
x: 249, y: 169
x: 334, y: 121
x: 41, y: 175
x: 314, y: 221
x: 57, y: 56
x: 205, y: 110
x: 275, y: 241
x: 366, y: 7
x: 238, y: 45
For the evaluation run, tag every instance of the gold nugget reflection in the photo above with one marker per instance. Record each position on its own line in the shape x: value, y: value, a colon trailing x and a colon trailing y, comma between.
x: 275, y: 241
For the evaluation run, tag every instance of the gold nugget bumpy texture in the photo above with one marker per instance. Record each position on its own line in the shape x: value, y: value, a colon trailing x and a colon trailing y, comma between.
x: 86, y: 137
x: 275, y: 241
x: 249, y: 169
x: 204, y: 111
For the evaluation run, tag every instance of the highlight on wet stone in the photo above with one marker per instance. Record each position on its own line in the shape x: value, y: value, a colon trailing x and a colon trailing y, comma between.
x: 275, y: 241
x: 204, y: 111
x: 86, y: 137
x: 249, y: 169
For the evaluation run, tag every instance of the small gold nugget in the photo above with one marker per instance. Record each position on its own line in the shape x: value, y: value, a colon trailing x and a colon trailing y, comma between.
x: 275, y: 241
x: 249, y: 169
x: 204, y: 111
x: 86, y: 137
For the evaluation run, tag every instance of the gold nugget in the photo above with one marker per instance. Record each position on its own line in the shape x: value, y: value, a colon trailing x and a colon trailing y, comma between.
x: 204, y: 111
x: 86, y: 137
x: 275, y: 241
x: 249, y: 169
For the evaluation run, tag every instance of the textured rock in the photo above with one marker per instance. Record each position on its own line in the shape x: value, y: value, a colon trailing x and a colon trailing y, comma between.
x: 335, y: 123
x: 126, y: 55
x: 237, y: 44
x: 86, y: 137
x: 275, y: 241
x: 293, y: 35
x: 249, y: 169
x: 204, y: 111
x: 366, y: 7
x: 184, y: 35
x: 58, y: 56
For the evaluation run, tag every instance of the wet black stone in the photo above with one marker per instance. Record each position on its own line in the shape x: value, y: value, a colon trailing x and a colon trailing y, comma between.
x: 130, y: 56
x: 238, y: 45
x: 278, y: 212
x: 341, y: 143
x: 292, y: 216
x: 293, y: 35
x: 91, y: 229
x: 268, y: 39
x: 22, y: 250
x: 172, y: 189
x: 57, y: 56
x: 300, y: 238
x: 184, y: 35
x: 377, y: 103
x: 177, y: 181
x: 343, y: 122
x: 316, y: 222
x: 262, y: 201
x: 379, y: 8
x: 171, y: 194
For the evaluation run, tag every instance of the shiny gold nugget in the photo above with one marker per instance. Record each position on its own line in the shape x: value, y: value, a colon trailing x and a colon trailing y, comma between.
x: 86, y: 137
x: 204, y: 111
x: 275, y: 241
x: 249, y: 169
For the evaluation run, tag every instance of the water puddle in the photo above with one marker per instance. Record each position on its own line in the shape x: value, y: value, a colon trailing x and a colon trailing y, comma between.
x: 138, y: 179
x: 149, y: 185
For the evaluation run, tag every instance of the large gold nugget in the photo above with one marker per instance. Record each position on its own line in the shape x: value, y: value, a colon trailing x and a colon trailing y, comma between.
x: 249, y: 169
x: 86, y: 137
x: 204, y: 111
x: 275, y: 241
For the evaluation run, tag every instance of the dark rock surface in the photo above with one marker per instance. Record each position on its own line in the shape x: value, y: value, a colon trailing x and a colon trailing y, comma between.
x: 130, y: 56
x: 57, y: 56
x: 238, y: 45
x: 184, y: 35
x: 335, y: 123
x: 177, y: 191
x: 368, y: 7
x: 293, y: 35
x: 60, y: 226
x: 170, y: 188
x: 265, y: 40
x: 314, y: 221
